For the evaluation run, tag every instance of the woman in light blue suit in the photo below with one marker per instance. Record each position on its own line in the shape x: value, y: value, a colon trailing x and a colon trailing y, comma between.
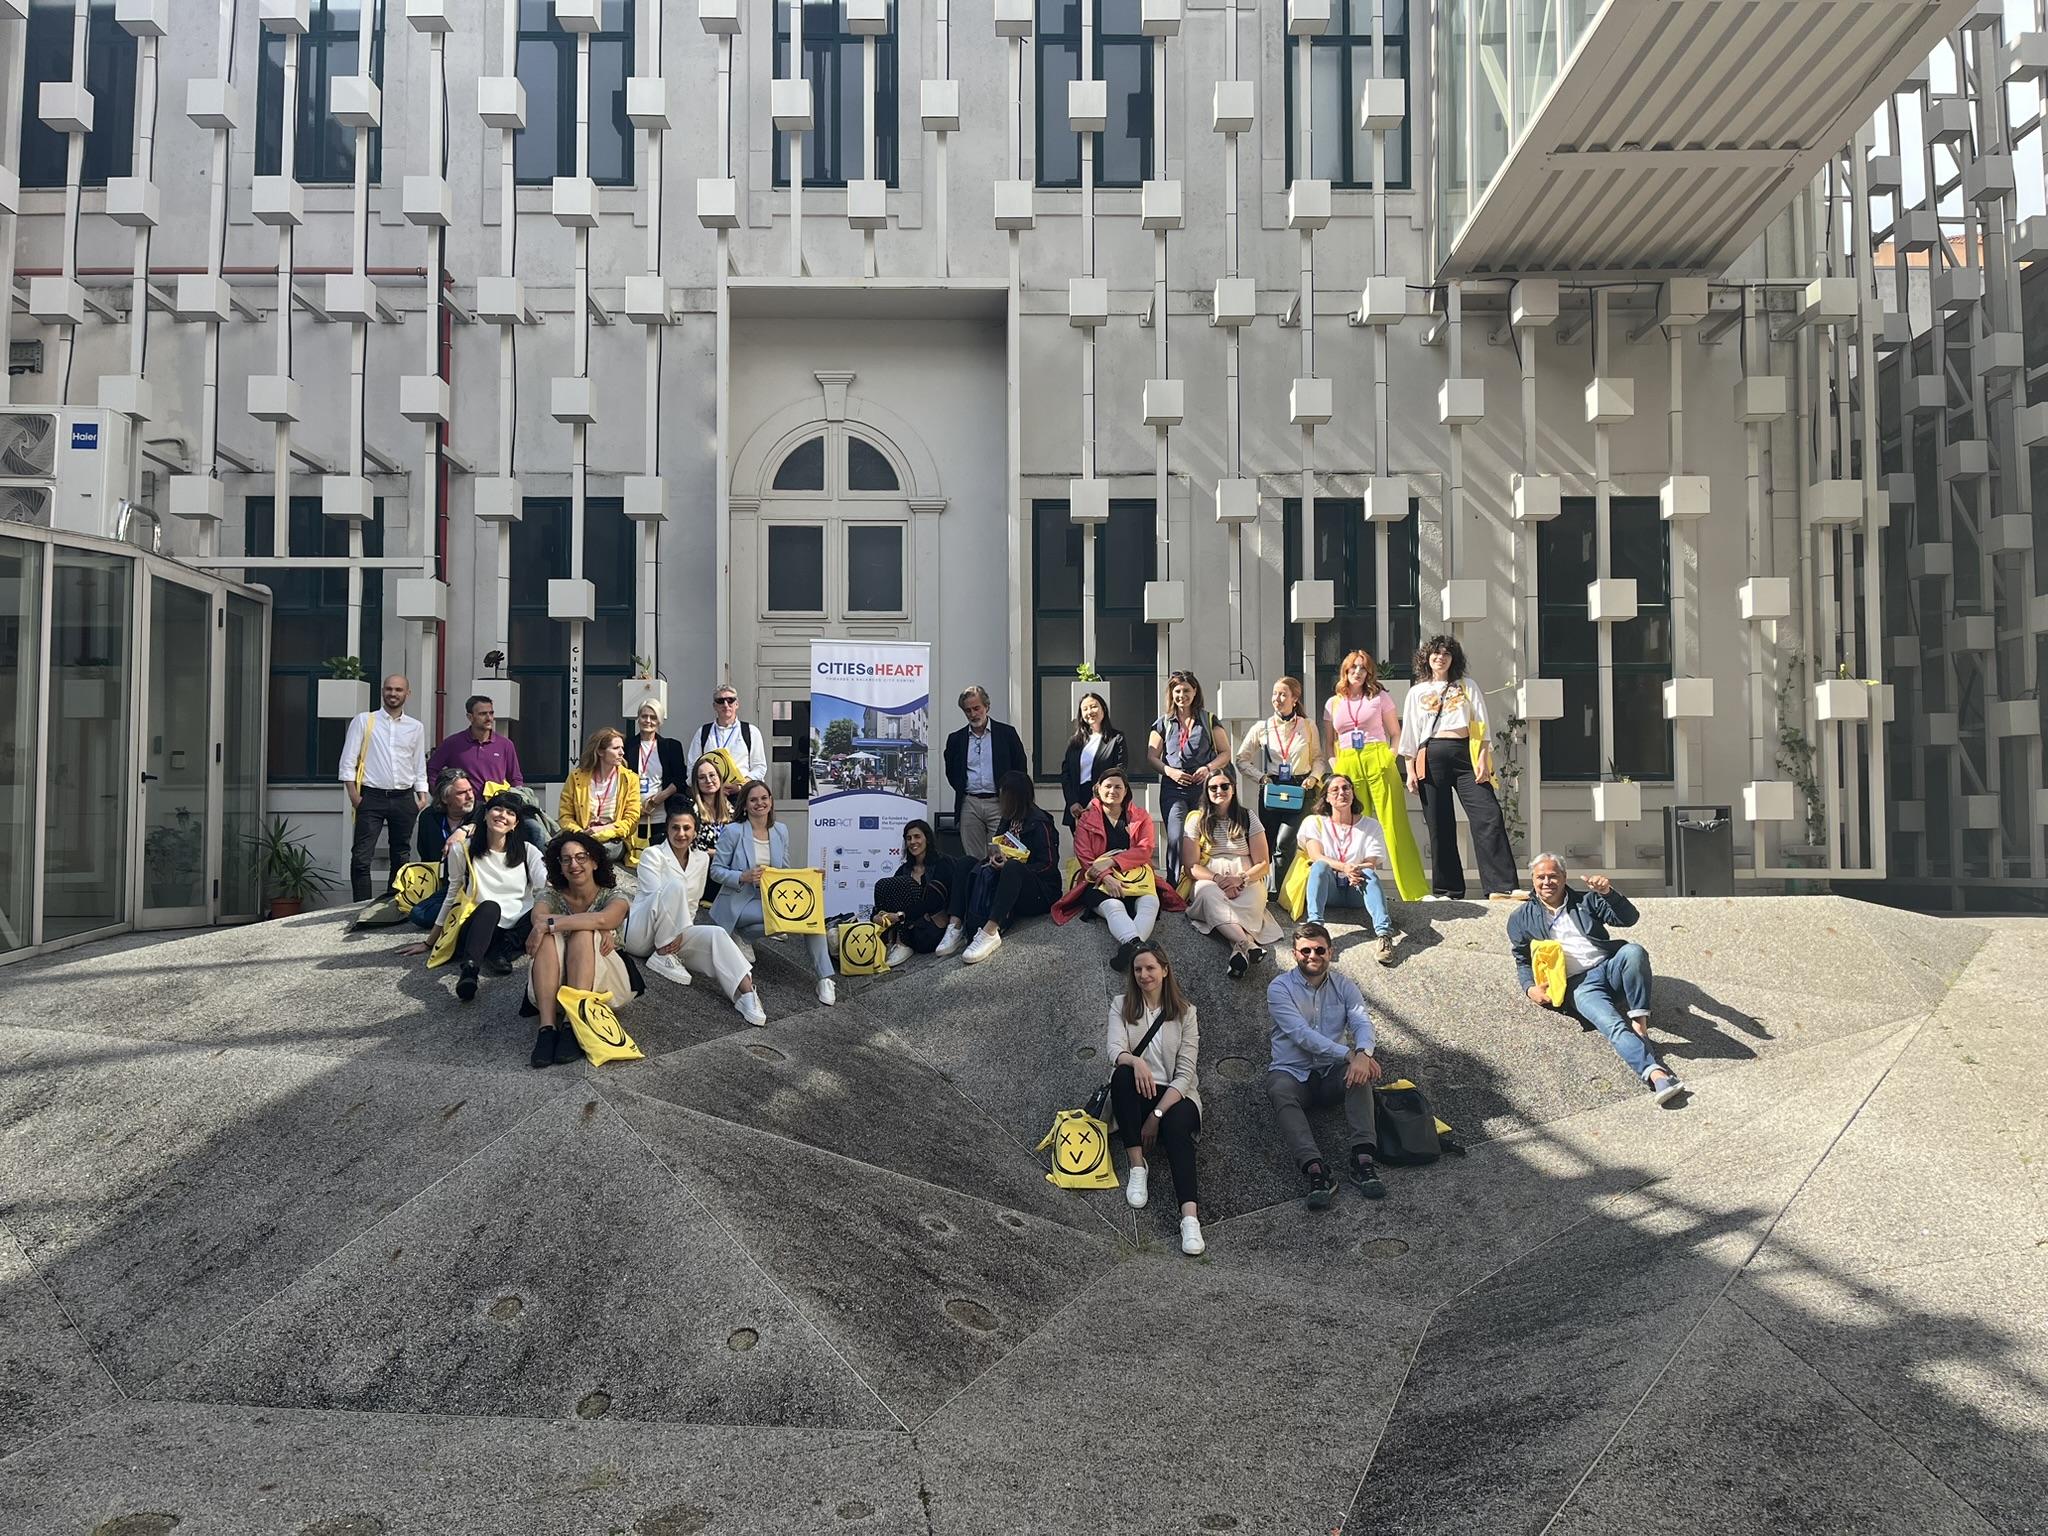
x: 745, y: 848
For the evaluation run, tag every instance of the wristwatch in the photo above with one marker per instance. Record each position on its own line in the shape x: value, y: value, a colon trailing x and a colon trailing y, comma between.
x: 1158, y: 1114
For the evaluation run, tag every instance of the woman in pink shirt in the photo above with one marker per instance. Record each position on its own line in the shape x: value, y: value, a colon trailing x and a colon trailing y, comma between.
x: 1363, y: 730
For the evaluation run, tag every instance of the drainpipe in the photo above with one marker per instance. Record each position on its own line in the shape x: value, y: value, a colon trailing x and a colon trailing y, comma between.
x: 287, y: 165
x: 1681, y: 615
x: 146, y: 91
x: 1603, y: 494
x: 647, y: 533
x: 1305, y: 531
x: 13, y: 42
x: 508, y: 246
x: 74, y: 162
x: 579, y: 434
x: 944, y: 261
x: 207, y: 449
x: 1232, y: 407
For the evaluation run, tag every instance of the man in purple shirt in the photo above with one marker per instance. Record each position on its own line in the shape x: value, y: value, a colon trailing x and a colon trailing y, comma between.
x: 480, y: 752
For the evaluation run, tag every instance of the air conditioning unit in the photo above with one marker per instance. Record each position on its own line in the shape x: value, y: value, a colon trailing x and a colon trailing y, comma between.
x: 64, y: 469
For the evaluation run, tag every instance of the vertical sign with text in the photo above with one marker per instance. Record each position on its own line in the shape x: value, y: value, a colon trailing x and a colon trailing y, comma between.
x: 870, y: 714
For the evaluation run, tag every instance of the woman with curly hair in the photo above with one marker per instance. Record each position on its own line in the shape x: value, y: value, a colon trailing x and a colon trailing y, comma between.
x: 1443, y: 730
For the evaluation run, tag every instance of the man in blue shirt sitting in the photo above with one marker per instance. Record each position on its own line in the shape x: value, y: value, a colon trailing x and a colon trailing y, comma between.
x: 1322, y: 1051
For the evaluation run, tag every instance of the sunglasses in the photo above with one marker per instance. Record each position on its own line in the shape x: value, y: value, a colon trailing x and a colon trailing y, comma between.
x: 725, y: 701
x: 1311, y: 949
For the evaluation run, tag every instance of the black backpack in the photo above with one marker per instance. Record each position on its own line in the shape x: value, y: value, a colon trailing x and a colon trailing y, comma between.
x: 746, y: 734
x: 1407, y: 1129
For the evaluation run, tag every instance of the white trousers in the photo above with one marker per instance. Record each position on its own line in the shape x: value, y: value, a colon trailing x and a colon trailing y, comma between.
x: 705, y: 949
x: 1123, y: 925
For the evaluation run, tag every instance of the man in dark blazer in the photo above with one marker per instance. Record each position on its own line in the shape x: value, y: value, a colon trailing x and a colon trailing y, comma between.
x: 977, y: 757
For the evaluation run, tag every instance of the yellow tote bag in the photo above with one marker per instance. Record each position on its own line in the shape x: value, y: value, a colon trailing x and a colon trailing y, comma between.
x: 863, y: 950
x: 597, y: 1028
x: 415, y: 883
x: 1294, y: 889
x: 1139, y: 882
x: 1080, y: 1151
x: 454, y: 913
x: 792, y: 901
x: 1546, y: 959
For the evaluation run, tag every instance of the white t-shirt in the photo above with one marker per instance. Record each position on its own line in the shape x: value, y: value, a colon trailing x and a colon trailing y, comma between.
x: 1360, y: 841
x: 1581, y: 954
x: 1464, y: 707
x: 1089, y: 748
x: 511, y: 886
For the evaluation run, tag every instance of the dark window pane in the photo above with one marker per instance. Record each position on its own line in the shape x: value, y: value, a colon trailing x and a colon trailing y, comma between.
x: 110, y: 76
x: 1125, y: 156
x: 1059, y: 147
x: 547, y: 67
x: 835, y: 151
x: 1571, y: 745
x: 1126, y: 557
x: 1056, y: 562
x: 874, y: 569
x: 324, y: 150
x: 804, y: 468
x: 796, y: 569
x: 1126, y: 648
x: 867, y: 469
x: 1642, y: 736
x: 1345, y: 553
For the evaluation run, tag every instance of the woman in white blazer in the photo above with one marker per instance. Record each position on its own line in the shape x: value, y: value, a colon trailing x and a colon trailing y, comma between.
x: 745, y: 848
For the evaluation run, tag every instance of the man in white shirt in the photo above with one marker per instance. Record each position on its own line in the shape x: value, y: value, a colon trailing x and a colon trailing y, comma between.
x: 727, y: 732
x: 384, y: 770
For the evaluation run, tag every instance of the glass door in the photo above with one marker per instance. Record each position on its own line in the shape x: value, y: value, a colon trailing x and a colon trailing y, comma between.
x: 245, y: 669
x: 87, y: 771
x: 178, y: 768
x: 21, y: 693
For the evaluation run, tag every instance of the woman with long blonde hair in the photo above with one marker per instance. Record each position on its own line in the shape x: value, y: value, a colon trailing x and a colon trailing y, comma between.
x: 602, y: 797
x: 1363, y: 732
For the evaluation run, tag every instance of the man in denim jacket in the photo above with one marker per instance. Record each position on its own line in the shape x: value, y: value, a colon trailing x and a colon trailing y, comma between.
x: 1607, y: 981
x: 1322, y: 1052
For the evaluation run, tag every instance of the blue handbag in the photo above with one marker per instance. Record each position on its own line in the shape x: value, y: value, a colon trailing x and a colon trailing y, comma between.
x: 1284, y: 797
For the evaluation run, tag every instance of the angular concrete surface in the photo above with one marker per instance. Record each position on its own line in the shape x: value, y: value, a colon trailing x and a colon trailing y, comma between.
x: 294, y: 1242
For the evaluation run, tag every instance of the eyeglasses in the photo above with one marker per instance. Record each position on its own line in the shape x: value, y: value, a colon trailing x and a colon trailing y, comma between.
x: 576, y: 858
x: 1307, y: 951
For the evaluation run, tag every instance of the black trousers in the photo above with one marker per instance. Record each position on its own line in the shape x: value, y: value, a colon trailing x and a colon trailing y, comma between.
x: 480, y: 934
x: 383, y: 811
x: 1018, y: 893
x: 1177, y: 1127
x: 918, y: 905
x: 1447, y: 782
x: 1280, y: 829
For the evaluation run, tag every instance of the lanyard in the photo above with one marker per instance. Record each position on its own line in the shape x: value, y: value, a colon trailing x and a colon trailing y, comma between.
x: 1185, y: 728
x: 723, y: 738
x: 1286, y: 746
x: 602, y: 798
x: 1343, y: 848
x: 1357, y: 721
x: 650, y: 751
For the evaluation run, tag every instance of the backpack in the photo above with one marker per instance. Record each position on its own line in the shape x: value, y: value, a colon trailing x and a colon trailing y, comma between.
x: 704, y: 734
x: 1407, y: 1129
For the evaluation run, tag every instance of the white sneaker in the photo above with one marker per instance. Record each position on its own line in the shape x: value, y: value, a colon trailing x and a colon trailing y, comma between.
x: 750, y: 1009
x: 899, y: 954
x: 1135, y: 1192
x: 746, y: 949
x: 1191, y: 1236
x: 669, y: 966
x: 950, y: 944
x: 828, y: 991
x: 983, y: 945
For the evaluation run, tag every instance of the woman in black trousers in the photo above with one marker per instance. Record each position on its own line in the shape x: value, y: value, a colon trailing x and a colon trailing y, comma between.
x: 919, y: 895
x: 990, y: 897
x: 1154, y: 1045
x: 1443, y: 732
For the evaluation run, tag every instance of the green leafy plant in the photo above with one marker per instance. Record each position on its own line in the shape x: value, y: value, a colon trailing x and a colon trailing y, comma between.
x: 1086, y: 672
x: 349, y: 667
x: 1508, y: 743
x: 285, y: 864
x: 1795, y: 755
x: 643, y: 668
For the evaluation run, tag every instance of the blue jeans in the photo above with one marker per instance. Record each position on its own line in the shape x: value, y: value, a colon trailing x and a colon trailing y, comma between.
x: 738, y: 911
x: 1607, y: 994
x: 1325, y: 890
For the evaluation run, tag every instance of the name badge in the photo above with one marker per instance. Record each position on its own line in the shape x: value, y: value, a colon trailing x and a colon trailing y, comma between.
x: 1358, y: 741
x: 646, y: 785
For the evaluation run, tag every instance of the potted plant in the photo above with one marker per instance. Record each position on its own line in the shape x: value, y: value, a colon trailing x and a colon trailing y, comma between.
x: 344, y: 691
x: 285, y: 866
x: 497, y: 687
x: 1086, y: 680
x: 641, y: 687
x: 1618, y: 798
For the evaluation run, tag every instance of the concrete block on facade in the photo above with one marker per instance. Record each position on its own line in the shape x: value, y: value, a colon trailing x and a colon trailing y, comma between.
x: 501, y: 691
x: 430, y: 16
x: 720, y: 18
x: 1894, y: 333
x: 1904, y: 651
x: 1924, y: 394
x: 1383, y: 301
x: 2010, y: 534
x: 1237, y: 501
x: 1240, y: 698
x: 1925, y: 561
x: 1540, y: 698
x: 2030, y: 424
x: 1166, y: 602
x: 421, y: 600
x: 1770, y: 800
x: 1236, y: 302
x: 1618, y: 801
x: 2025, y: 58
x: 1013, y: 17
x: 1461, y: 402
x: 571, y: 600
x: 1834, y: 502
x: 199, y: 297
x: 1899, y: 488
x: 10, y: 190
x: 867, y: 18
x: 127, y: 394
x: 501, y: 102
x: 65, y: 107
x: 1829, y: 301
x: 213, y: 104
x: 789, y: 104
x: 1611, y: 600
x: 285, y: 16
x: 2015, y: 717
x: 427, y: 201
x: 1916, y: 229
x: 938, y: 106
x: 1311, y: 402
x: 1159, y: 205
x: 347, y: 497
x: 423, y: 397
x: 1841, y: 698
x: 1165, y: 402
x: 499, y: 499
x: 1383, y: 104
x: 342, y: 698
x: 273, y: 397
x: 1312, y: 602
x: 636, y: 691
x: 574, y: 202
x: 1973, y: 632
x: 572, y: 398
x: 355, y: 101
x: 1308, y: 18
x: 648, y: 301
x: 867, y: 203
x: 1684, y: 497
x: 351, y: 298
x: 1159, y: 18
x: 1682, y: 301
x: 134, y: 201
x: 1881, y: 175
x: 1689, y: 698
x: 1988, y: 178
x: 1537, y: 498
x: 1967, y: 458
x: 580, y: 15
x: 278, y: 201
x: 646, y: 498
x: 1087, y: 501
x: 198, y: 498
x: 1464, y: 601
x: 56, y: 300
x: 1533, y: 302
x: 1013, y: 204
x: 1233, y: 106
x: 2041, y: 807
x: 647, y: 102
x: 1957, y: 288
x: 1999, y: 354
x: 1609, y: 401
x: 718, y: 202
x: 2030, y: 241
x: 1945, y: 120
x: 143, y: 18
x: 1088, y: 105
x: 501, y: 300
x: 1308, y: 203
x: 1909, y: 816
x: 1387, y: 499
x: 1944, y: 728
x: 1980, y: 813
x: 1762, y: 397
x: 1088, y: 301
x: 1765, y: 597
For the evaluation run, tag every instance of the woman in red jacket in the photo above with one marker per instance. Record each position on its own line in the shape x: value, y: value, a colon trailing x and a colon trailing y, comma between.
x: 1114, y: 841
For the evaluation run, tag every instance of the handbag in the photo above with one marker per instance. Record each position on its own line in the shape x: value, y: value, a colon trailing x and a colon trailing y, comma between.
x: 1406, y: 1128
x: 1284, y: 797
x: 1098, y: 1101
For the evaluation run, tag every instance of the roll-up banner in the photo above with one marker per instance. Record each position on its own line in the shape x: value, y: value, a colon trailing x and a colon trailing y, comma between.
x: 870, y: 711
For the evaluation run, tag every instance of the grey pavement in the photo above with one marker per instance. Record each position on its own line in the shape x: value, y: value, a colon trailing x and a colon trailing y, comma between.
x: 293, y: 1242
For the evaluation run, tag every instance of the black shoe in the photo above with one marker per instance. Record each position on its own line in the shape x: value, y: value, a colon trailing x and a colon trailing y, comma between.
x: 1121, y: 960
x: 1239, y: 964
x: 466, y: 987
x: 544, y: 1048
x: 566, y: 1047
x: 1256, y: 954
x: 1321, y: 1188
x: 498, y: 963
x: 1366, y: 1177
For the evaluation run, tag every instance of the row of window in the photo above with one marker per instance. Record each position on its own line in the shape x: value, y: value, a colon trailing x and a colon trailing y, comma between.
x: 833, y: 152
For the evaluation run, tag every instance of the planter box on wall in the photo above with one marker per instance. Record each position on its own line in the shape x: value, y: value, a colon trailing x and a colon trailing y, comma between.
x: 342, y: 698
x: 635, y: 691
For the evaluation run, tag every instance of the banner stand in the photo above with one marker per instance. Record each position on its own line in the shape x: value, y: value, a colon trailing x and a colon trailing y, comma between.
x: 870, y: 717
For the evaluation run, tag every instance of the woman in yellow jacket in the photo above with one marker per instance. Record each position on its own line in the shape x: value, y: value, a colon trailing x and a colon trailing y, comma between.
x: 601, y: 798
